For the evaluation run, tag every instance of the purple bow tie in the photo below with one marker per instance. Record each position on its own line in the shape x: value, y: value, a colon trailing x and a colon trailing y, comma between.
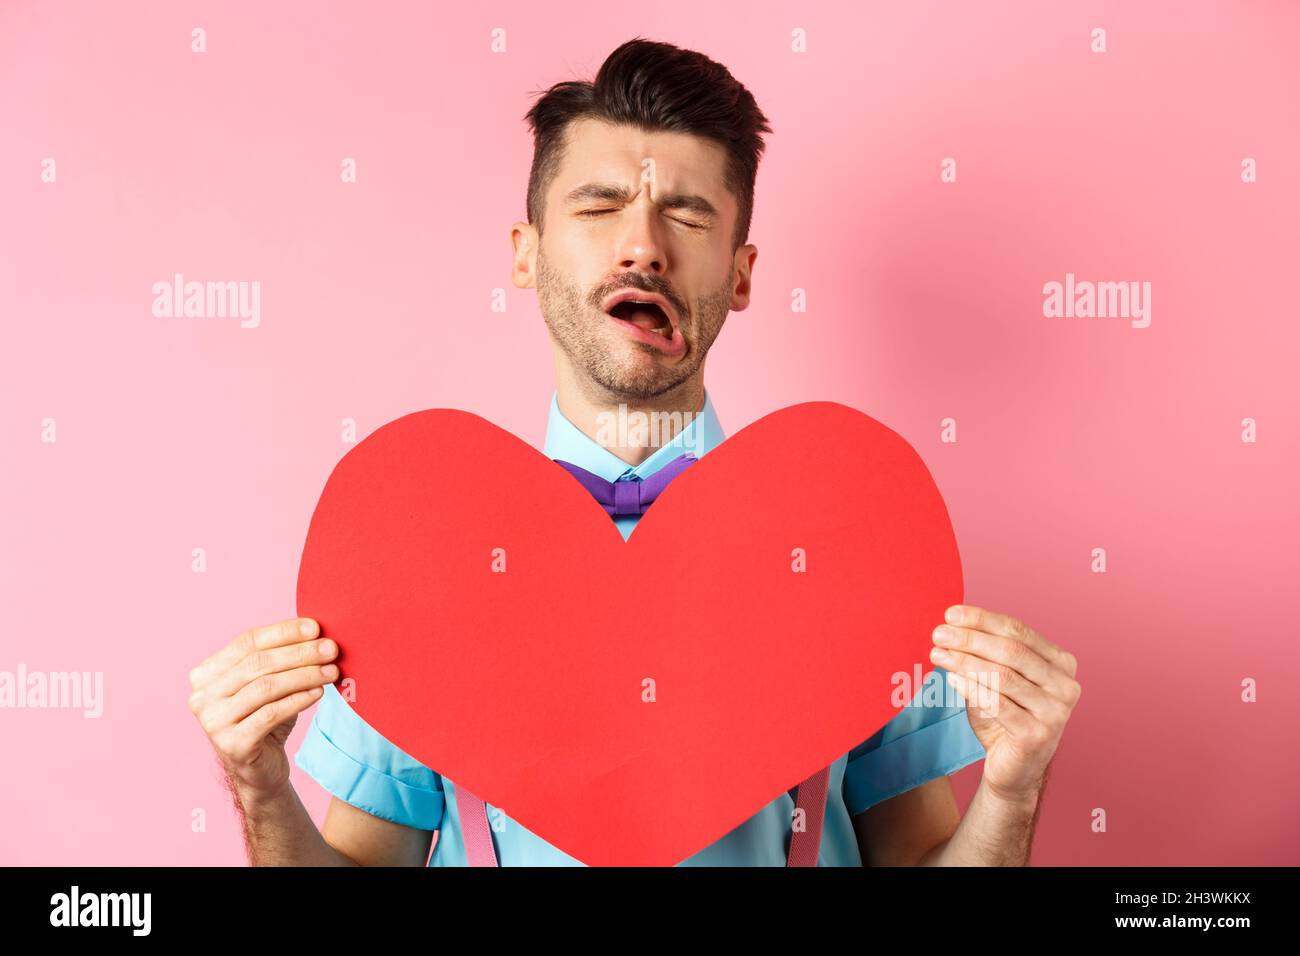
x: 629, y: 497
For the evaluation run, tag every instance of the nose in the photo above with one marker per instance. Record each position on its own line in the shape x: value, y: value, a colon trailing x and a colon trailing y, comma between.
x: 641, y: 246
x: 642, y: 260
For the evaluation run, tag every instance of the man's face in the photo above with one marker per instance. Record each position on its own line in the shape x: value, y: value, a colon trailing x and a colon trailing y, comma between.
x: 647, y: 213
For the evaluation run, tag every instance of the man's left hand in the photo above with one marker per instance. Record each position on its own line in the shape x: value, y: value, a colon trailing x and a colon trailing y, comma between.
x: 1019, y: 690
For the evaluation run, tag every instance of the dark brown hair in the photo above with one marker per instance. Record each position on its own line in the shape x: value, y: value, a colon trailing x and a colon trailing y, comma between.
x: 654, y: 86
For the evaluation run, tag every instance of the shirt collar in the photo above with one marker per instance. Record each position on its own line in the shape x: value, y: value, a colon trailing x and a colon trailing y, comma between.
x: 565, y: 441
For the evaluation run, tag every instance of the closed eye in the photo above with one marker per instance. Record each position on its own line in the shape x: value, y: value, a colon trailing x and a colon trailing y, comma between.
x: 592, y: 213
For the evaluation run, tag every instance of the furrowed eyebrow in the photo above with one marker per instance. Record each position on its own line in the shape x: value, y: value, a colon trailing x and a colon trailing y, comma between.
x: 617, y: 192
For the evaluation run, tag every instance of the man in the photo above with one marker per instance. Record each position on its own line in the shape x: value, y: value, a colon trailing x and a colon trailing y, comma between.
x: 639, y: 204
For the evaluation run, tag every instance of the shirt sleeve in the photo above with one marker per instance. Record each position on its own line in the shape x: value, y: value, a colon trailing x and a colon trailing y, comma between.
x: 355, y: 763
x: 921, y: 743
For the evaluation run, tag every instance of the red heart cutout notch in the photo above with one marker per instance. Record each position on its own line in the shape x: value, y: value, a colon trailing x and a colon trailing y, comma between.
x: 630, y: 702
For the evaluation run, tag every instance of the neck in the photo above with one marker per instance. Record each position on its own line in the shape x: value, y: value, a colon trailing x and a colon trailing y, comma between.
x: 612, y: 420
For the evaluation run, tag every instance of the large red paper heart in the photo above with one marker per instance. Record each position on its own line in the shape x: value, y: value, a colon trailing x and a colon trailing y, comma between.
x: 528, y: 685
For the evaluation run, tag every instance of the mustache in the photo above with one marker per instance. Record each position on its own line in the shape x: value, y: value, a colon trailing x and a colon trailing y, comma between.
x: 604, y: 292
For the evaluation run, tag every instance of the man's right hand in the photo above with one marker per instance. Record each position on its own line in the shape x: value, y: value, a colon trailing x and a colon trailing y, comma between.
x: 248, y: 695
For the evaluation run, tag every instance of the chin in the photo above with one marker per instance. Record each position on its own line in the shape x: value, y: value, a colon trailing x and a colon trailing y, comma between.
x: 641, y: 383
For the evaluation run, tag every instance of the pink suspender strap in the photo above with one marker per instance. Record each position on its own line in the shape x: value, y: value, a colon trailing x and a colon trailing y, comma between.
x: 810, y: 796
x: 805, y: 844
x: 474, y: 829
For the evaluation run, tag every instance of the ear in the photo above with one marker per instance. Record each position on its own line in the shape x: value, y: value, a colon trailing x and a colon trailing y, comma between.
x: 743, y: 264
x: 525, y: 240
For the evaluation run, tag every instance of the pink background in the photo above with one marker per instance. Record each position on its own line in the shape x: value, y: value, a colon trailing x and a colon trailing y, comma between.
x: 925, y: 302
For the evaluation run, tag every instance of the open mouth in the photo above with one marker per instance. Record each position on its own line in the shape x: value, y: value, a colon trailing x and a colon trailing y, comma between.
x: 648, y: 318
x: 644, y: 315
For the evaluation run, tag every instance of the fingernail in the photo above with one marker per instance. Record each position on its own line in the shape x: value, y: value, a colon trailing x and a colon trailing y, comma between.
x: 953, y: 615
x: 943, y: 635
x: 330, y: 671
x: 939, y: 655
x: 308, y: 628
x: 327, y: 648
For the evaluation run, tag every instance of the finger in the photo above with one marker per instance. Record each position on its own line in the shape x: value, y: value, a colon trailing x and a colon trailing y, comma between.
x: 272, y: 661
x: 987, y: 702
x: 270, y: 687
x: 1017, y: 655
x: 253, y: 639
x: 252, y: 730
x: 1006, y: 626
x: 1003, y: 679
x: 256, y: 638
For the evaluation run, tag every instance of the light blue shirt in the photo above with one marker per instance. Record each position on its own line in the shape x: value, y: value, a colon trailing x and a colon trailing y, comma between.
x: 359, y: 766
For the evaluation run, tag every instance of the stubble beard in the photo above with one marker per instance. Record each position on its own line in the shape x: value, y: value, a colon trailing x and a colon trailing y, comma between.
x: 578, y: 324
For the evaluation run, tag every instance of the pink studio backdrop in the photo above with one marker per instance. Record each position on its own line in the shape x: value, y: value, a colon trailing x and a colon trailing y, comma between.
x: 925, y: 302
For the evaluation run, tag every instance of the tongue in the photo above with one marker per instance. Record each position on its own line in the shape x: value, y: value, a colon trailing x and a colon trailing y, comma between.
x: 645, y: 319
